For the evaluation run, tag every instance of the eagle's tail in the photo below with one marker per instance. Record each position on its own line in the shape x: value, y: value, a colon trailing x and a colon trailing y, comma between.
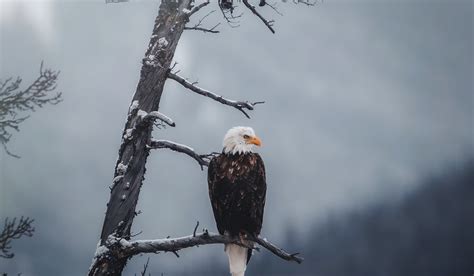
x: 237, y: 259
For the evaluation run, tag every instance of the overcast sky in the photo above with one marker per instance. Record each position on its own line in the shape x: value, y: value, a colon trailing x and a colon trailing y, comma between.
x: 362, y: 99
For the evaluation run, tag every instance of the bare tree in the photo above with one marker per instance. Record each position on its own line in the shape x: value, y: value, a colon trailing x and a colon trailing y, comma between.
x: 115, y: 247
x: 12, y: 231
x: 13, y: 101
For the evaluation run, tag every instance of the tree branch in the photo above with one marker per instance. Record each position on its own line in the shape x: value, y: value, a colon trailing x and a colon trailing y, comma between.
x: 14, y: 101
x: 197, y: 26
x: 268, y: 23
x: 155, y: 115
x: 242, y: 106
x: 274, y: 8
x: 12, y: 231
x: 145, y: 267
x: 278, y: 251
x: 211, y: 30
x: 116, y: 246
x: 202, y: 159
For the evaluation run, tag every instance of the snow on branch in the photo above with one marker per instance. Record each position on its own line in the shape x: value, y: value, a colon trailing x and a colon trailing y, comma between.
x: 242, y: 106
x: 197, y: 8
x: 155, y: 115
x: 176, y: 244
x: 124, y: 248
x: 202, y: 159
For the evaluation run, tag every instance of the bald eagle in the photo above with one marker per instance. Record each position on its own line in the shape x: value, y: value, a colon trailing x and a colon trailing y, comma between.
x: 237, y: 189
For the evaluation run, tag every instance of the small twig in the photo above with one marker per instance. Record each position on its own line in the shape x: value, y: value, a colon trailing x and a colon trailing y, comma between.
x: 195, y: 228
x: 174, y: 65
x: 268, y: 23
x: 204, y: 17
x: 211, y: 30
x: 198, y: 25
x: 136, y: 234
x: 175, y: 253
x: 145, y: 266
x: 274, y: 8
x: 242, y: 106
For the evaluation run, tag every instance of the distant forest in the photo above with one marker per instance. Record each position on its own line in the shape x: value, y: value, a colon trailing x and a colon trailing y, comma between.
x: 428, y: 232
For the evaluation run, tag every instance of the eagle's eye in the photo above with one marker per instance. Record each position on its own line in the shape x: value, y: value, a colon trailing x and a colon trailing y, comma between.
x: 246, y: 136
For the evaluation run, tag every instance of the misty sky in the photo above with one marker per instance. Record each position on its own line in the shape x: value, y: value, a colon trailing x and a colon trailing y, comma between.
x: 362, y: 99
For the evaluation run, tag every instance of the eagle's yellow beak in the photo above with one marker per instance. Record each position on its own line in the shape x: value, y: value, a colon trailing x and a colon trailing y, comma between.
x: 255, y: 140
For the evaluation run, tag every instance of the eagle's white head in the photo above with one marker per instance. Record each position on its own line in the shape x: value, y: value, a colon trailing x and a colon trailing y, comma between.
x: 240, y: 140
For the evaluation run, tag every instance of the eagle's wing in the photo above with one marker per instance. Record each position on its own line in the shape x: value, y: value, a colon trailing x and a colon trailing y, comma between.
x: 217, y: 200
x: 237, y: 189
x: 260, y: 190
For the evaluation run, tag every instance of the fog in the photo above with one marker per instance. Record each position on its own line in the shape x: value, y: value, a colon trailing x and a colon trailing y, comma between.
x: 364, y: 100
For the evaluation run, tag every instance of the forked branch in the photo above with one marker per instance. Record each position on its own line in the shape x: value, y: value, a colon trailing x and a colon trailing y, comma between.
x: 240, y: 105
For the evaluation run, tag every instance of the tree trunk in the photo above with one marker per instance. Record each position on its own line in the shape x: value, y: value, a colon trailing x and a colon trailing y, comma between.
x: 130, y: 168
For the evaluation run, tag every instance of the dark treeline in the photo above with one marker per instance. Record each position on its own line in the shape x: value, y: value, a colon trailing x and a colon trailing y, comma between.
x: 428, y: 232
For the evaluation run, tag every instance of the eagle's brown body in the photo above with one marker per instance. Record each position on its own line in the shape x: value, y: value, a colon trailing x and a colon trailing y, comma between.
x: 237, y: 189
